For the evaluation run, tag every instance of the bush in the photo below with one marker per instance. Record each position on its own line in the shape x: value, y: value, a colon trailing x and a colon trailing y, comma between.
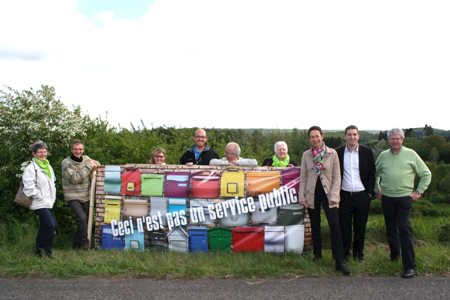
x: 444, y: 234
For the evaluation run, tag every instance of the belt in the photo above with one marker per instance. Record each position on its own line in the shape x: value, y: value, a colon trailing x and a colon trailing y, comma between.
x: 353, y: 193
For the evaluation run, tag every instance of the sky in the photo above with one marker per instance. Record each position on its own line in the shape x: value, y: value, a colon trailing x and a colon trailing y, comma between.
x: 235, y: 63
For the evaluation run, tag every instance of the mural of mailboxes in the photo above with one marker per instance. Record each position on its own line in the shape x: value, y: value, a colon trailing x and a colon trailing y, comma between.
x: 135, y: 241
x: 112, y: 180
x: 233, y: 220
x: 131, y: 182
x: 152, y: 184
x: 261, y: 182
x: 178, y: 240
x: 268, y: 217
x: 232, y: 183
x: 112, y: 208
x: 219, y: 239
x: 176, y: 185
x: 291, y: 214
x: 159, y: 204
x: 135, y: 208
x: 198, y: 238
x: 294, y: 238
x: 248, y: 239
x: 108, y: 240
x: 199, y: 209
x: 205, y: 185
x: 274, y: 239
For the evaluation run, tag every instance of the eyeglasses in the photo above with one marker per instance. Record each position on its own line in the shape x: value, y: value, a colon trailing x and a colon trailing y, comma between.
x: 159, y: 156
x: 200, y: 137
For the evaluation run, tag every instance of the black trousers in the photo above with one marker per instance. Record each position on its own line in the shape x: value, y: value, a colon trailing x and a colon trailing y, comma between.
x: 332, y: 215
x: 353, y: 214
x: 396, y: 213
x: 81, y: 210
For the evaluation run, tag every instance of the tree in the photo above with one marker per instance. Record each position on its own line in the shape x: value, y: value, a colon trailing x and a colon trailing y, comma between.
x: 25, y: 117
x: 428, y: 130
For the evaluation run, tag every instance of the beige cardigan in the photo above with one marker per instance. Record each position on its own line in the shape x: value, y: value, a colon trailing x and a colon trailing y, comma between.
x: 330, y: 177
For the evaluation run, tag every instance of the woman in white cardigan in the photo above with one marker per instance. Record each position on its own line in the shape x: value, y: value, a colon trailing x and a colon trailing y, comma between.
x: 39, y: 183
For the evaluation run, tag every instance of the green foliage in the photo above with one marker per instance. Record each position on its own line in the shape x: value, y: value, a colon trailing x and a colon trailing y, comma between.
x: 29, y: 115
x: 25, y: 117
x: 444, y: 234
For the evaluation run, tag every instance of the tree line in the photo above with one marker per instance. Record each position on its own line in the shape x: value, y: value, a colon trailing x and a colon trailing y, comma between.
x: 29, y: 115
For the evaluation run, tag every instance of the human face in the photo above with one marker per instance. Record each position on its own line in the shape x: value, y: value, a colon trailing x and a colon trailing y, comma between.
x: 200, y: 139
x: 77, y: 150
x: 396, y: 142
x: 41, y: 154
x: 230, y: 153
x: 281, y: 152
x: 159, y: 158
x: 352, y: 138
x: 315, y: 138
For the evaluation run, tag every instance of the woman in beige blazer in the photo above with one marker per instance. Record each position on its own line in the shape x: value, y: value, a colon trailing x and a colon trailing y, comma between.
x: 320, y: 184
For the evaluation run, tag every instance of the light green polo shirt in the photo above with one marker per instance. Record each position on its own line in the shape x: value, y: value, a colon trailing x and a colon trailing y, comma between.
x: 396, y: 173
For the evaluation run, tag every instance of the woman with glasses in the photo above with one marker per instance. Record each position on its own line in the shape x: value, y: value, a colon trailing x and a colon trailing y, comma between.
x: 39, y: 183
x: 158, y: 156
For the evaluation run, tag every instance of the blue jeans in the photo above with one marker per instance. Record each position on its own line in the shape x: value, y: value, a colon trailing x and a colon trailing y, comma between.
x: 46, y: 232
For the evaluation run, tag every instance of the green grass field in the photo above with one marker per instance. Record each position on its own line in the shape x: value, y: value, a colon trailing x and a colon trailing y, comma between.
x: 17, y: 241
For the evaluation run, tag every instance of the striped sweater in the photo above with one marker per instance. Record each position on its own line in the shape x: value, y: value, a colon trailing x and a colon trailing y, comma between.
x: 75, y: 179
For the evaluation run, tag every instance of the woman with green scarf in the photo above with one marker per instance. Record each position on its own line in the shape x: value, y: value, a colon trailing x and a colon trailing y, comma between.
x: 39, y: 184
x: 281, y: 157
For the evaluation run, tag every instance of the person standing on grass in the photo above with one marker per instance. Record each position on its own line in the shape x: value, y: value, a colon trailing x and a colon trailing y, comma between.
x: 39, y: 183
x: 396, y: 171
x: 358, y: 183
x: 76, y: 171
x: 320, y: 183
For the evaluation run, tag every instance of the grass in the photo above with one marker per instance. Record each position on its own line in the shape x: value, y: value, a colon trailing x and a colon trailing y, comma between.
x: 17, y: 240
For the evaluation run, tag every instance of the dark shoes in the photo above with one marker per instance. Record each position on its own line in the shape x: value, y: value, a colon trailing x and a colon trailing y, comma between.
x: 40, y: 252
x: 342, y: 267
x: 408, y: 273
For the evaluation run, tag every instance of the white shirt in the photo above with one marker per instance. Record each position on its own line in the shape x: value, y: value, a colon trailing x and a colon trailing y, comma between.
x: 351, y: 180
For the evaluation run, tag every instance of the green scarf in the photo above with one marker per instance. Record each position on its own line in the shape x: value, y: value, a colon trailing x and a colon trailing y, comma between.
x: 280, y: 163
x: 44, y: 165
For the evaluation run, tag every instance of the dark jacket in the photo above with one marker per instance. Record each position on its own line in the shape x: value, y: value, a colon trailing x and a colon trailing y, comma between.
x: 366, y: 167
x: 269, y: 161
x: 204, y: 158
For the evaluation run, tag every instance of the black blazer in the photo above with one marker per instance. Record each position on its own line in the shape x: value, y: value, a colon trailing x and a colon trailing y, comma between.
x: 366, y: 167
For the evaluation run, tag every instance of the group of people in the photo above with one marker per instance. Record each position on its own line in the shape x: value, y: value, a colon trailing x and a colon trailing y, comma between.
x: 341, y: 181
x: 39, y: 183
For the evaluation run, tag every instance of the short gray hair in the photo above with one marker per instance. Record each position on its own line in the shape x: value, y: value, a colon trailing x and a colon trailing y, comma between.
x: 280, y: 143
x: 395, y: 131
x: 38, y: 145
x: 236, y: 148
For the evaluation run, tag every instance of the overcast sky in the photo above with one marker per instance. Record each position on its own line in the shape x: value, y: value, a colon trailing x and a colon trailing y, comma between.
x: 235, y: 63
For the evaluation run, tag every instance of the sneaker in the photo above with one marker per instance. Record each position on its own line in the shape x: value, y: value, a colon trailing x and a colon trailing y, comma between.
x: 408, y: 273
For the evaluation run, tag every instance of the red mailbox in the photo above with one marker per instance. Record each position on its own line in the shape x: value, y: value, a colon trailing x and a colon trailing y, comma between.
x: 248, y: 239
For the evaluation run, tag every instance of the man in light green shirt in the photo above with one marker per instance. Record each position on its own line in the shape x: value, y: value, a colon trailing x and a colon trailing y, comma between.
x: 396, y: 170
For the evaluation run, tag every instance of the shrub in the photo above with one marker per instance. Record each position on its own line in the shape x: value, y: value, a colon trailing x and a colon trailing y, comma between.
x: 444, y: 234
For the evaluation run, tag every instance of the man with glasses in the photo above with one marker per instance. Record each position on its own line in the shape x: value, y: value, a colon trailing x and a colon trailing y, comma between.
x: 199, y: 153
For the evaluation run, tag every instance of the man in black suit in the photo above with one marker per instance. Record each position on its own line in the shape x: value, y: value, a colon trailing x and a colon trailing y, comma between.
x: 358, y: 183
